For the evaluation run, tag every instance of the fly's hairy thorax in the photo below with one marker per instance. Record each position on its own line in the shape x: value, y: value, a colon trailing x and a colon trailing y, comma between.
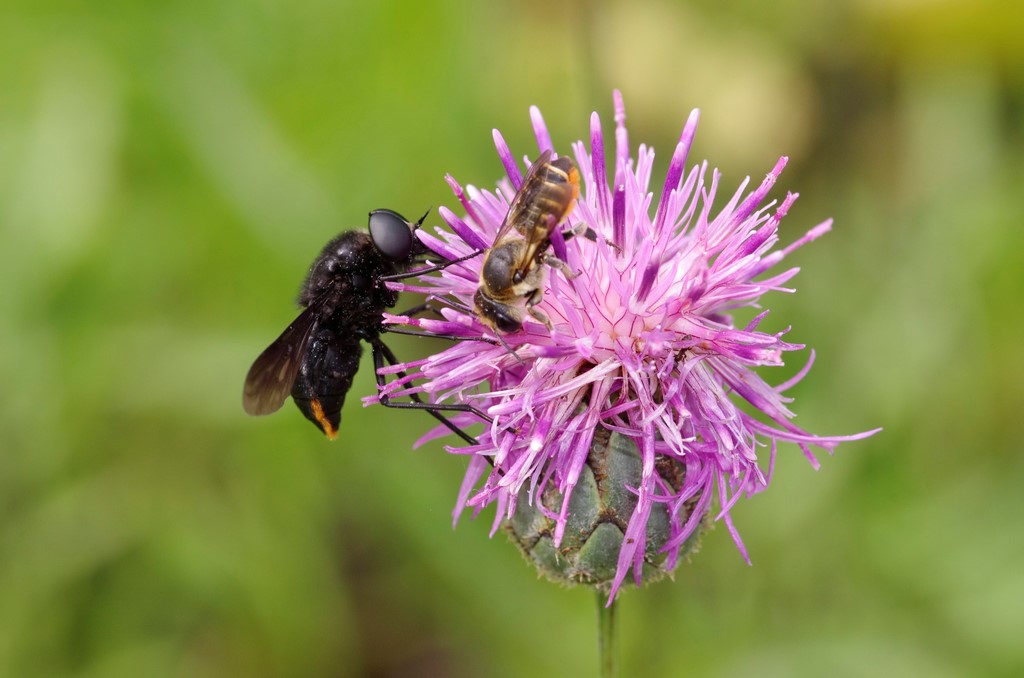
x: 347, y: 276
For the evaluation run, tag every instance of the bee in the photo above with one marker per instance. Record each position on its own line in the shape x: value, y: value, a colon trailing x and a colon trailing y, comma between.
x: 344, y: 296
x: 512, y: 274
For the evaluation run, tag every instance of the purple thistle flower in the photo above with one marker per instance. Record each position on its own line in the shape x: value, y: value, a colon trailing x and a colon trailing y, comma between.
x: 642, y: 345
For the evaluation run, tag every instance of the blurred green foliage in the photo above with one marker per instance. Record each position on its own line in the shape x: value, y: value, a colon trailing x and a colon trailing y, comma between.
x: 167, y: 172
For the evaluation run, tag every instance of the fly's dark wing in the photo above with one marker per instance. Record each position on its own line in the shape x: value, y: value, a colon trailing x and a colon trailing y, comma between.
x: 524, y: 199
x: 271, y: 377
x: 331, y: 363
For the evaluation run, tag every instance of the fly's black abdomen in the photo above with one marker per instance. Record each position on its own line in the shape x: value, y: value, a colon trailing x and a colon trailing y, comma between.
x: 331, y: 363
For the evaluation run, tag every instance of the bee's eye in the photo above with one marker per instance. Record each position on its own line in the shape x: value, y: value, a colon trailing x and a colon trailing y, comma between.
x: 391, y: 234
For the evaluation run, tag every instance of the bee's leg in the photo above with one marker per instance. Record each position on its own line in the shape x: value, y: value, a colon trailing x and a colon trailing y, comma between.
x: 580, y: 228
x: 531, y: 307
x: 541, y: 316
x: 588, y: 233
x: 382, y: 353
x: 556, y: 263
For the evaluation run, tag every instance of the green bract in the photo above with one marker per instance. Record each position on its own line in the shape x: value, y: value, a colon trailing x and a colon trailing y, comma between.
x: 599, y: 510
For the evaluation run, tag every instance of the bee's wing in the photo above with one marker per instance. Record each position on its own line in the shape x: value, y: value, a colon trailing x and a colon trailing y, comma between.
x: 270, y: 379
x: 524, y: 197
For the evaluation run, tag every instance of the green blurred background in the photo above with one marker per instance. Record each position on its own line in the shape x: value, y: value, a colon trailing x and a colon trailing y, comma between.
x: 168, y: 171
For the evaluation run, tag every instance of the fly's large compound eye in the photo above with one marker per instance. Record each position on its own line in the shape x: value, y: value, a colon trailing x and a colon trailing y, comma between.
x: 391, y: 234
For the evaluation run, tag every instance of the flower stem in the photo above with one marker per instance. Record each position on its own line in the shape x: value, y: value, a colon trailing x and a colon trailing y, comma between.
x: 605, y: 635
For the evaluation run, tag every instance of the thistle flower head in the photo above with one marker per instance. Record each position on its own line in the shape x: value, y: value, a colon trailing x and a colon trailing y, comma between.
x: 641, y: 346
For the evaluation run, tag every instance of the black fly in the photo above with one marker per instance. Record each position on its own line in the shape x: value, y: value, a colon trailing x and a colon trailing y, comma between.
x: 317, y: 356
